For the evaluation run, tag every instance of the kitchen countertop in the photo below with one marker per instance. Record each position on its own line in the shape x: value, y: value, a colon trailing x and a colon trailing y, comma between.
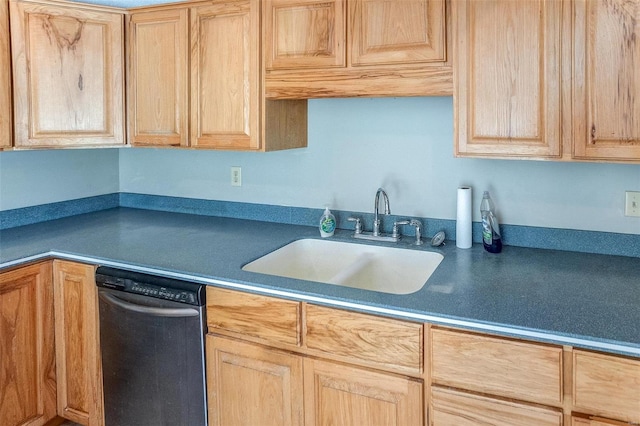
x: 584, y: 300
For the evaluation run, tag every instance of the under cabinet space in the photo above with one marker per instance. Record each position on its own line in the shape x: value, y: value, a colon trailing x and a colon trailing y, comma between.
x: 498, y: 366
x: 377, y: 342
x: 450, y: 407
x: 606, y: 385
x: 253, y: 317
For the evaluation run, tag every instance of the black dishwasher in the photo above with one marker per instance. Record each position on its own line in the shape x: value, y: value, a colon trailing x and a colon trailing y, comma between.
x: 152, y: 345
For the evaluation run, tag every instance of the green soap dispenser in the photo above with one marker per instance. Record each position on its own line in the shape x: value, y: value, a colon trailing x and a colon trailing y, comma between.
x: 327, y: 223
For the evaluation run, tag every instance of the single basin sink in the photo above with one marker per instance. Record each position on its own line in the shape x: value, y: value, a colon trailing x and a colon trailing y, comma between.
x: 384, y: 269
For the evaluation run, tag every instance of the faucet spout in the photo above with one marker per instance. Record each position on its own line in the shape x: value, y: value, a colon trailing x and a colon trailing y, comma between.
x: 387, y: 210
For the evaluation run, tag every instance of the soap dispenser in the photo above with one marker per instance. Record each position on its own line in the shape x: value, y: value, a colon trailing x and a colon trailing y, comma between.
x: 327, y: 223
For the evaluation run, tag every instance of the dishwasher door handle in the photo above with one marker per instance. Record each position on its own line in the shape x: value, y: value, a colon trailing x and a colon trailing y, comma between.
x: 148, y: 310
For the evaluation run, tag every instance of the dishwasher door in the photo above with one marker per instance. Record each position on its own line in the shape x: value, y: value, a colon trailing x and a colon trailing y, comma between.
x: 153, y: 361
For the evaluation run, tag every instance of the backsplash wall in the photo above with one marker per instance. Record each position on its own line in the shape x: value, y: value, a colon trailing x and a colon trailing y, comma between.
x: 355, y: 145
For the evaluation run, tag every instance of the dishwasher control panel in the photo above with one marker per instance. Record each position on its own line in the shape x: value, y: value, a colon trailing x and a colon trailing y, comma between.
x: 150, y: 285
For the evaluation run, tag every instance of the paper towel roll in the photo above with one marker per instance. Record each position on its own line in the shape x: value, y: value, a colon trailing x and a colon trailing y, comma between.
x: 463, y: 218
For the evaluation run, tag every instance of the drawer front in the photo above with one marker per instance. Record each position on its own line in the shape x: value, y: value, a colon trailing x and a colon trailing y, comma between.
x: 249, y: 315
x: 606, y: 385
x: 514, y: 369
x: 377, y: 342
x: 449, y: 407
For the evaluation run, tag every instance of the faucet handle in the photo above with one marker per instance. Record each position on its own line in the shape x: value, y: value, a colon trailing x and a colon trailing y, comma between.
x: 357, y: 220
x: 395, y: 233
x: 418, y: 225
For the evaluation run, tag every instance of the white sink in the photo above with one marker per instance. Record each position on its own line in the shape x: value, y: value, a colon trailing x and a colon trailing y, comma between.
x: 384, y: 269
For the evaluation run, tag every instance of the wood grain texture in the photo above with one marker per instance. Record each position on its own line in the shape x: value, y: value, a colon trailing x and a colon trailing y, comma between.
x: 607, y: 386
x: 606, y: 81
x: 504, y: 367
x: 368, y: 340
x: 158, y: 82
x: 392, y: 49
x: 68, y: 69
x: 594, y: 421
x: 77, y: 334
x: 225, y: 70
x: 343, y: 395
x: 304, y: 33
x: 507, y: 93
x: 6, y: 107
x: 252, y: 385
x: 27, y: 353
x: 273, y: 321
x: 450, y: 407
x: 405, y: 32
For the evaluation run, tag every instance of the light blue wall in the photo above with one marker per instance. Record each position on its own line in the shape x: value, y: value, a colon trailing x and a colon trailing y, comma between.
x: 355, y: 145
x: 404, y: 145
x: 29, y: 178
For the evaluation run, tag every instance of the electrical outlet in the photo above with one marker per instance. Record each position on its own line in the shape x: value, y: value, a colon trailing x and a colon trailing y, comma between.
x: 632, y: 204
x: 236, y: 176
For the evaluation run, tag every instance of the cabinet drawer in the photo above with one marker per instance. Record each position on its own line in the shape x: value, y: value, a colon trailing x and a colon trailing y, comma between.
x: 250, y: 315
x: 377, y: 342
x: 606, y: 385
x: 514, y: 369
x: 449, y: 407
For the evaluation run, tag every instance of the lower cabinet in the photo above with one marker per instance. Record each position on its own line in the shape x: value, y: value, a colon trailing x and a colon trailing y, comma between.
x: 338, y: 394
x: 250, y: 384
x: 27, y: 355
x: 79, y: 371
x: 452, y: 407
x: 279, y: 362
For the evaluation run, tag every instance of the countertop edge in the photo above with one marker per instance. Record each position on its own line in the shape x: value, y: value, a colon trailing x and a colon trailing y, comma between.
x: 537, y: 335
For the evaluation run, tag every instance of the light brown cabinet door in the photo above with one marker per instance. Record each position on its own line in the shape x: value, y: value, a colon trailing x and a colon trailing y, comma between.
x: 337, y: 394
x: 79, y: 369
x: 304, y: 34
x: 5, y: 77
x: 594, y: 421
x: 252, y: 385
x: 507, y: 91
x: 450, y: 407
x: 68, y: 75
x: 606, y: 81
x: 158, y: 77
x: 27, y: 354
x: 396, y: 32
x: 224, y: 76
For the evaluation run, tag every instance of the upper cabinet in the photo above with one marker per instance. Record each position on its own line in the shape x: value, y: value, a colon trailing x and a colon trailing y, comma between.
x: 68, y: 74
x: 5, y: 77
x: 507, y: 73
x: 606, y: 80
x: 209, y: 91
x: 158, y: 77
x: 339, y: 48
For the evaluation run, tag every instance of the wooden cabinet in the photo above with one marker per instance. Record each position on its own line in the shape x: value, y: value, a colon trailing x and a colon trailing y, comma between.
x: 337, y: 48
x: 79, y: 371
x: 158, y: 78
x: 249, y: 384
x: 259, y: 379
x: 507, y: 73
x: 606, y: 386
x: 5, y: 78
x: 68, y: 75
x: 338, y: 394
x: 304, y: 34
x: 209, y: 91
x: 27, y: 354
x: 452, y: 407
x: 606, y: 80
x: 594, y: 421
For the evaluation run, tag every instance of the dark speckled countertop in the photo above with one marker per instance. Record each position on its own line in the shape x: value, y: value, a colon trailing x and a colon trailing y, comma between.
x: 584, y: 300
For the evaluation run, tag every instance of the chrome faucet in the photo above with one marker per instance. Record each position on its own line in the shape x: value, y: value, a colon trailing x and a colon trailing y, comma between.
x: 387, y: 210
